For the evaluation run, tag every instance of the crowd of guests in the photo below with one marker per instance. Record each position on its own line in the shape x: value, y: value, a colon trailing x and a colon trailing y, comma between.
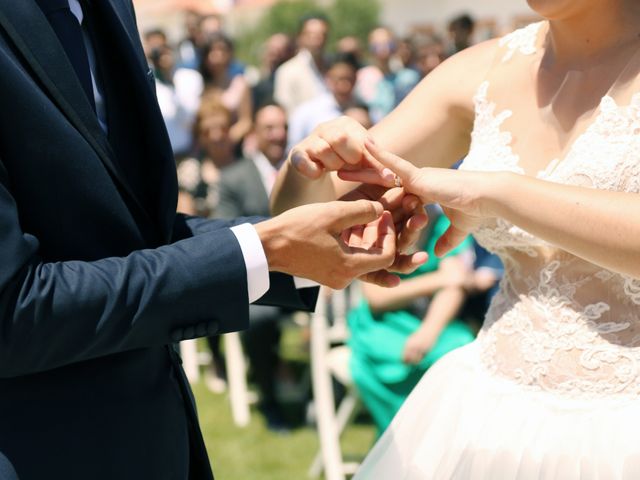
x: 231, y: 126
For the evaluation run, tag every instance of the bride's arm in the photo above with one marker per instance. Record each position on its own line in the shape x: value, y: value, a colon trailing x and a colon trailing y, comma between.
x: 600, y: 226
x: 431, y: 127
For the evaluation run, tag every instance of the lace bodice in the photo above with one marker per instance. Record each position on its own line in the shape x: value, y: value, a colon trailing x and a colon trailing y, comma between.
x: 560, y: 323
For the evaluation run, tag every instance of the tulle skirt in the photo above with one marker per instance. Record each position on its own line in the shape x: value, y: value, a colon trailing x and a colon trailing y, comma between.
x: 462, y: 422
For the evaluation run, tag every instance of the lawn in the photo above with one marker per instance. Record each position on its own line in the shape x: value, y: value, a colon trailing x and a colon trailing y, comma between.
x: 255, y: 453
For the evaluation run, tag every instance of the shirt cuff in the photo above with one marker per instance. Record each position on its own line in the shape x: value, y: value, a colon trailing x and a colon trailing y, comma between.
x: 255, y: 260
x: 304, y: 283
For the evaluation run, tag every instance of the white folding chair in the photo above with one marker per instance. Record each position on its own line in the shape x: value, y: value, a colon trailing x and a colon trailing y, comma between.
x: 236, y: 363
x: 329, y: 361
x: 240, y: 397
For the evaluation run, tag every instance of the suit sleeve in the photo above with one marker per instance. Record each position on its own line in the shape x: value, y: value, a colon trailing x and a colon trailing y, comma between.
x: 186, y: 226
x: 53, y: 314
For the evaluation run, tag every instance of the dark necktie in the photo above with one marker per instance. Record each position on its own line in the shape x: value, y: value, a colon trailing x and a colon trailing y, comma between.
x: 69, y: 32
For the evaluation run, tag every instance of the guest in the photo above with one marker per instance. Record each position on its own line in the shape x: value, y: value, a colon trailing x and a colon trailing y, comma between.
x: 393, y: 341
x: 381, y: 88
x: 352, y: 45
x: 302, y: 78
x: 340, y: 80
x: 198, y: 177
x: 232, y: 90
x: 188, y: 47
x: 154, y: 39
x: 360, y: 113
x: 405, y: 54
x: 430, y: 52
x: 177, y: 91
x: 277, y: 49
x: 460, y: 32
x: 244, y: 191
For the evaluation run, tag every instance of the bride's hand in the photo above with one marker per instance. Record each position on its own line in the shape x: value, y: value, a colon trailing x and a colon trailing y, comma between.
x: 460, y: 193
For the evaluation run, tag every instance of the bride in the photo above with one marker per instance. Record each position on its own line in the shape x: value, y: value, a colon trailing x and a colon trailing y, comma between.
x: 548, y: 122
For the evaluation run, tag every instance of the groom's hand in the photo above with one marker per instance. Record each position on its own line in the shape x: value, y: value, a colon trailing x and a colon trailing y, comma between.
x: 409, y: 220
x: 318, y: 242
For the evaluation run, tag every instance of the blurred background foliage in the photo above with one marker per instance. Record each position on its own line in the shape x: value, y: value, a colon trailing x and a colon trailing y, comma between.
x: 347, y: 17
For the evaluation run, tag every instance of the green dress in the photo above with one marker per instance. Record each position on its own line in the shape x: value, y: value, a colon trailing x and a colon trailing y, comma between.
x: 377, y: 342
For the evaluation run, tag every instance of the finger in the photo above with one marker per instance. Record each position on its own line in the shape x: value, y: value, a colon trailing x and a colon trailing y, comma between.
x: 381, y: 278
x: 386, y: 232
x: 411, y: 203
x: 411, y: 231
x: 320, y: 151
x: 345, y: 142
x: 405, y: 170
x: 358, y: 212
x: 370, y: 234
x: 365, y: 191
x: 356, y: 236
x: 408, y: 263
x: 393, y: 200
x: 384, y: 177
x: 303, y: 164
x: 382, y: 254
x: 451, y: 238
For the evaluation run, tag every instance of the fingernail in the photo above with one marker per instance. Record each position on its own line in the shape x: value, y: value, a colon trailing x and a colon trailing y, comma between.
x: 413, y: 204
x: 388, y: 174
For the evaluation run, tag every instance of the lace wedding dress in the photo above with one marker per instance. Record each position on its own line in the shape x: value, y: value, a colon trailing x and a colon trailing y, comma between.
x: 551, y: 387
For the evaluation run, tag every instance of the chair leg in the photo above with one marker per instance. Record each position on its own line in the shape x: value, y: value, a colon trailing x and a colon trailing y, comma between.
x: 346, y: 412
x: 237, y: 379
x: 328, y: 431
x: 190, y: 360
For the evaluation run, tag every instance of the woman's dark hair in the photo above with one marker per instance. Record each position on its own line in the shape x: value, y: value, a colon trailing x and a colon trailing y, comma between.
x: 212, y: 40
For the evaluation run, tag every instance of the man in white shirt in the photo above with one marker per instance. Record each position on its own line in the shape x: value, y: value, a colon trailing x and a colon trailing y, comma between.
x: 302, y: 78
x: 340, y: 80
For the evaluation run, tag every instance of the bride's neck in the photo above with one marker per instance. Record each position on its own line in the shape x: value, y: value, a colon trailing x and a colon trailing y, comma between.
x: 591, y: 31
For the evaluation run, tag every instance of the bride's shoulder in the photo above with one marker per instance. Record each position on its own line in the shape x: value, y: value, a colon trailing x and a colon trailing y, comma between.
x: 465, y: 70
x: 471, y: 66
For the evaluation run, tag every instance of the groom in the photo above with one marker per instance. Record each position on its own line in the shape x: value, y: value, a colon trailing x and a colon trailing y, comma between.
x: 99, y: 276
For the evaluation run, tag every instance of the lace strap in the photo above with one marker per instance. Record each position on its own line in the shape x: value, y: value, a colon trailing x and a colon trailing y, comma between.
x: 522, y: 40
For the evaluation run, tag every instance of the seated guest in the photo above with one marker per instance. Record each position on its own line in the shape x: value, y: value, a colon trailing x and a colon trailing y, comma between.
x: 481, y: 285
x: 393, y: 341
x: 224, y: 82
x: 340, y: 80
x: 178, y: 93
x: 244, y: 191
x: 198, y: 176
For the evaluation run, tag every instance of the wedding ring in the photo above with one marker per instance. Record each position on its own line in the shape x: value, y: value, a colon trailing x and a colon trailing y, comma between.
x: 397, y: 181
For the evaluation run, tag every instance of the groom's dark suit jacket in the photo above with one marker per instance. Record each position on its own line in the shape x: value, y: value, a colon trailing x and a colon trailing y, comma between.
x: 97, y: 273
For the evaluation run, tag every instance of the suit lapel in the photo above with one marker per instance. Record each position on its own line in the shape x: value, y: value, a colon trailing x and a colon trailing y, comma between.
x: 114, y: 15
x: 28, y: 28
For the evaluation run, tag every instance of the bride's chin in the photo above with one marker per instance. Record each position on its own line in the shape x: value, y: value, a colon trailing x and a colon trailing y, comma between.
x: 553, y: 9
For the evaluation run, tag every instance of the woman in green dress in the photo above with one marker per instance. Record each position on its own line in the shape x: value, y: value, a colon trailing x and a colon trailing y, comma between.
x: 392, y: 343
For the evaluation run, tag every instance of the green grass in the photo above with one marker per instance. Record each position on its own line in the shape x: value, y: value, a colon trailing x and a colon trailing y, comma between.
x: 255, y: 453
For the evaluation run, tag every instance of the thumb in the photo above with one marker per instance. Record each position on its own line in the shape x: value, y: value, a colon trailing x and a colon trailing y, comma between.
x: 359, y: 212
x: 405, y: 170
